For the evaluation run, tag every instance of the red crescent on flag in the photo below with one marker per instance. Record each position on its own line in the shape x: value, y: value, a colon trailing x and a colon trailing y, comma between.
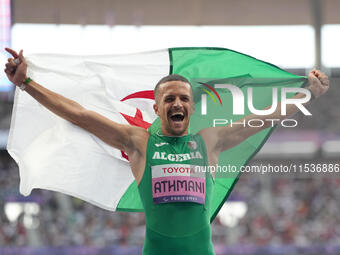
x: 147, y: 94
x: 137, y: 120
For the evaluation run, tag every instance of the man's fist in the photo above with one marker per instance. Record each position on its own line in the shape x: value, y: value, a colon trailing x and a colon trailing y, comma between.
x: 16, y: 67
x: 318, y: 83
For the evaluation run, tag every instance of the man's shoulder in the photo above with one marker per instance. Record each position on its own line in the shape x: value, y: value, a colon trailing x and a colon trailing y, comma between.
x: 138, y: 131
x: 138, y: 138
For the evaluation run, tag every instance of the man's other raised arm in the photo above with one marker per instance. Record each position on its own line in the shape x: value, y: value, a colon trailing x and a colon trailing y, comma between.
x: 117, y: 135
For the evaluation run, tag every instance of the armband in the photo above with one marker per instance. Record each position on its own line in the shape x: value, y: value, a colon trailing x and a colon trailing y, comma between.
x: 25, y: 82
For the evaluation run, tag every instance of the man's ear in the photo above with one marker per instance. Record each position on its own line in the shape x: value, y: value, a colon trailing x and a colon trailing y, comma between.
x: 155, y: 108
x: 192, y: 108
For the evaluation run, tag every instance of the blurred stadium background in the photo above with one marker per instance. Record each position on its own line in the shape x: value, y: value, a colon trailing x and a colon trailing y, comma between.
x: 266, y: 214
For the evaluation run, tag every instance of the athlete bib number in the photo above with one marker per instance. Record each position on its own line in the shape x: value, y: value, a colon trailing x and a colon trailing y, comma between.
x: 178, y: 183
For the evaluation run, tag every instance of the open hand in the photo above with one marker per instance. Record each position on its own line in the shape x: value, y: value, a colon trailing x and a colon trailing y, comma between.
x: 16, y: 67
x: 318, y: 82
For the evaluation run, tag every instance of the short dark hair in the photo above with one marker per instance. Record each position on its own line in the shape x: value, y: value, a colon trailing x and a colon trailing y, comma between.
x: 170, y: 77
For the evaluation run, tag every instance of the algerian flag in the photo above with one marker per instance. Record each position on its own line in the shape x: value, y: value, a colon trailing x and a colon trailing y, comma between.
x: 57, y: 155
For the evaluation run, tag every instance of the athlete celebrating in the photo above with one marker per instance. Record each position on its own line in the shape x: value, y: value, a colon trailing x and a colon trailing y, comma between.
x: 175, y: 194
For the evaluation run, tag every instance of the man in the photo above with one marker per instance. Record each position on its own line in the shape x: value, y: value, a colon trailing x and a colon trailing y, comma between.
x: 175, y: 196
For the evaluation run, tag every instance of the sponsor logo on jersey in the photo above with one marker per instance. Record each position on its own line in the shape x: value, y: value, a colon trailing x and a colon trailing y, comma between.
x: 178, y: 170
x: 160, y: 144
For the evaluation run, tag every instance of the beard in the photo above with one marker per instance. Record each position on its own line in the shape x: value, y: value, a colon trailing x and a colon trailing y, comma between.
x: 172, y: 131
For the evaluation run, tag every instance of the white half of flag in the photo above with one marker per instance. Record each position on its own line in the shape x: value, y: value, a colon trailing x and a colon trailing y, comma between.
x: 54, y: 154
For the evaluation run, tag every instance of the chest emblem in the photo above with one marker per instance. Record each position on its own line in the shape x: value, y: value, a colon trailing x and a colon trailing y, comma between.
x: 192, y: 145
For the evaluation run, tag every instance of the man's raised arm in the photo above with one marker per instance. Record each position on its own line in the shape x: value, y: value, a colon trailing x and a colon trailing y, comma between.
x: 222, y: 138
x: 117, y: 135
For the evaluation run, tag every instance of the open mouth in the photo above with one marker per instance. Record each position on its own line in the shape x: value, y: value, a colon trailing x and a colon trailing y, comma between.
x: 177, y: 117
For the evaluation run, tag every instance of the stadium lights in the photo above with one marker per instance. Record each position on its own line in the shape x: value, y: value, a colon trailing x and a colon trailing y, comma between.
x: 331, y: 149
x: 231, y: 213
x: 14, y: 210
x: 286, y: 46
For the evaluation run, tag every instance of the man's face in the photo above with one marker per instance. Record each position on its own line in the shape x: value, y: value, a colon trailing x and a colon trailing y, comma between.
x: 174, y: 105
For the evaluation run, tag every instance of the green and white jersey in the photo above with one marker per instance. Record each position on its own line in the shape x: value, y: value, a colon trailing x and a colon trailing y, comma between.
x: 176, y: 194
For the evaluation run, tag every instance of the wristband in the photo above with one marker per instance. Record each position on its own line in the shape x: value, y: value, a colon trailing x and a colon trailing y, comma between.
x: 26, y: 81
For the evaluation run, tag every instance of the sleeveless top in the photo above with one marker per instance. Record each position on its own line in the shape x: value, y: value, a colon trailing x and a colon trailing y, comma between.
x: 176, y: 191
